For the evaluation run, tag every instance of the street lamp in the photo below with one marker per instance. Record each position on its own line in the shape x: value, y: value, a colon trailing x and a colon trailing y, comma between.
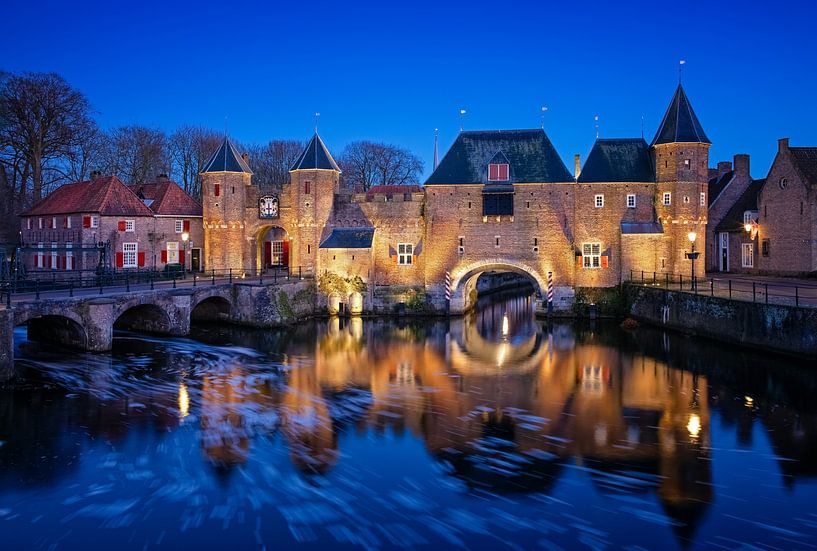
x: 185, y: 238
x: 692, y: 255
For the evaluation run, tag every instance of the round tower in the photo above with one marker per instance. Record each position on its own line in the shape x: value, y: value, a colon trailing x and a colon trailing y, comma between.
x: 225, y: 179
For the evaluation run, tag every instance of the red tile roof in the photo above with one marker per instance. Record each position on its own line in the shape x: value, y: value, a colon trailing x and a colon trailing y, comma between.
x: 168, y: 199
x: 107, y: 196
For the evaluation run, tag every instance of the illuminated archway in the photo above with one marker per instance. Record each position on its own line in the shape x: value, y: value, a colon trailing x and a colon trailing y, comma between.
x: 464, y: 281
x: 271, y: 247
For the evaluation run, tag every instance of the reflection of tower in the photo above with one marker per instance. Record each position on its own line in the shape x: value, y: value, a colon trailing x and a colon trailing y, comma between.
x: 314, y: 182
x: 225, y: 179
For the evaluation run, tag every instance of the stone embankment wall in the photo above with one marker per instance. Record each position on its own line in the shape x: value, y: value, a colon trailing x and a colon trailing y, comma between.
x: 772, y: 327
x: 270, y: 306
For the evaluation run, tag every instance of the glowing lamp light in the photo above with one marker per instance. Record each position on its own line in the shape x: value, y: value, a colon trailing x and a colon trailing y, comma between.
x: 694, y: 425
x: 692, y: 236
x: 505, y: 325
x: 185, y: 237
x: 747, y: 227
x: 184, y: 401
x: 749, y: 402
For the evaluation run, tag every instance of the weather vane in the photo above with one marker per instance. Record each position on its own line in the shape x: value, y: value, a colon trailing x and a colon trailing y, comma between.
x: 462, y: 121
x: 542, y: 116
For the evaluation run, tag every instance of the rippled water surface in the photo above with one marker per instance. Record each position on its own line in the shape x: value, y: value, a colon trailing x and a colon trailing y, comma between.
x: 491, y: 432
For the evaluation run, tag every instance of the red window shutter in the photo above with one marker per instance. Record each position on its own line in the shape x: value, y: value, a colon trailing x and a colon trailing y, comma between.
x: 579, y: 261
x: 181, y: 257
x: 48, y: 261
x: 65, y: 222
x: 120, y: 259
x: 164, y: 257
x: 186, y: 225
x: 503, y: 172
x: 141, y: 259
x: 605, y: 261
x: 394, y: 259
x: 121, y: 225
x: 493, y: 172
x: 86, y: 221
x: 216, y: 189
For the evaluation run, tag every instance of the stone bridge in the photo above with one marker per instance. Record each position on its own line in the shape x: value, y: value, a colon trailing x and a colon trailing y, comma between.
x: 88, y: 323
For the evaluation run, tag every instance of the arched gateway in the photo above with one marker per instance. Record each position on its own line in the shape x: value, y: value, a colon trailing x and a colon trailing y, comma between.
x: 464, y: 281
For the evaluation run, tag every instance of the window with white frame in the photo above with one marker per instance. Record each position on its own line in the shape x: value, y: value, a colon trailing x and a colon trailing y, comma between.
x: 404, y: 253
x: 40, y: 258
x: 68, y: 222
x: 631, y: 200
x: 747, y: 255
x: 54, y: 255
x: 40, y: 223
x: 94, y: 221
x: 703, y: 199
x: 686, y: 199
x: 129, y: 255
x: 172, y: 252
x: 69, y: 256
x: 748, y: 217
x: 53, y: 222
x: 28, y: 223
x: 179, y: 226
x: 667, y: 198
x: 591, y: 255
x: 599, y: 201
x: 130, y: 226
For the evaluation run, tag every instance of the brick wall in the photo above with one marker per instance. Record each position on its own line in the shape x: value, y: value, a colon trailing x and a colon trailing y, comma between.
x: 721, y: 205
x: 224, y: 219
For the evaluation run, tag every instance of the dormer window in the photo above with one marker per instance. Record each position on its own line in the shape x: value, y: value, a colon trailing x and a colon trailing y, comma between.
x: 498, y: 172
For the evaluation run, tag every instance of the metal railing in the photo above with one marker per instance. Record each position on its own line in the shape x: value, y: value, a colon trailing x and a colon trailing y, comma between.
x: 735, y: 288
x: 65, y: 284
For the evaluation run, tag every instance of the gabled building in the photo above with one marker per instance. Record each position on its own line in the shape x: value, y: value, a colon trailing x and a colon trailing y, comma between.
x: 727, y: 185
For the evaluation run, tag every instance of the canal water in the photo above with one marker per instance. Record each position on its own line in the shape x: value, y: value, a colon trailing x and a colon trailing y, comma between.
x: 495, y: 431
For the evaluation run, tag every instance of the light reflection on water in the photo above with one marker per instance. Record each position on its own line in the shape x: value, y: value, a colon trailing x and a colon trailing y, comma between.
x: 483, y: 431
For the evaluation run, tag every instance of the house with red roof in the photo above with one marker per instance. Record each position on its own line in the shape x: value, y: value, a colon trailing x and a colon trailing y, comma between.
x: 62, y: 233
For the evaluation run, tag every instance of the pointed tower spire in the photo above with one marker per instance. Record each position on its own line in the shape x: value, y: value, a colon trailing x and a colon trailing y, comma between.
x: 315, y: 157
x: 680, y: 123
x: 436, y: 149
x: 226, y: 159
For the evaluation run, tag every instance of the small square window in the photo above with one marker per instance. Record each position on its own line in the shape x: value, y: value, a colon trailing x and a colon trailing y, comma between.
x: 94, y: 221
x: 404, y: 253
x: 631, y: 201
x: 179, y: 226
x: 599, y: 201
x: 667, y: 198
x: 498, y: 172
x: 591, y: 255
x: 130, y: 226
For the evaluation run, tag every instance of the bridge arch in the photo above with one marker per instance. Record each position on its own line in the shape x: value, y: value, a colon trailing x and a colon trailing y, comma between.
x: 212, y: 308
x: 464, y: 280
x: 65, y: 329
x: 147, y: 318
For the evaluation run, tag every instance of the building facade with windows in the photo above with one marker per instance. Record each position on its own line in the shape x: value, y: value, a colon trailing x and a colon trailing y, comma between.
x: 102, y: 221
x: 498, y: 201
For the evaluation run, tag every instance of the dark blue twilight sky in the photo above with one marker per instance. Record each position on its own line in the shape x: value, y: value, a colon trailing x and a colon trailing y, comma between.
x: 394, y: 71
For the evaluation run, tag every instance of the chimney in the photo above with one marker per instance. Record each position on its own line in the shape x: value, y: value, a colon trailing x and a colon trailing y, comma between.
x: 95, y: 175
x: 577, y: 165
x: 742, y: 166
x: 161, y: 177
x: 782, y: 145
x: 724, y: 167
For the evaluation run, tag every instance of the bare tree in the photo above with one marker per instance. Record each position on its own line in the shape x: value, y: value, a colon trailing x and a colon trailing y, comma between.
x: 190, y: 147
x: 43, y: 119
x: 136, y: 154
x: 366, y: 164
x: 271, y: 162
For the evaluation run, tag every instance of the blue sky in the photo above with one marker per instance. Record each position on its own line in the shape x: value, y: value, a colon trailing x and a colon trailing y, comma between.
x: 395, y: 71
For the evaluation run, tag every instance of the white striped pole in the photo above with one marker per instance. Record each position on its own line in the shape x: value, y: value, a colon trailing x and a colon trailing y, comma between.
x: 550, y: 293
x: 447, y: 286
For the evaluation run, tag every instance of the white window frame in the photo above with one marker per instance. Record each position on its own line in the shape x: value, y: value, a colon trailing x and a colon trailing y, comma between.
x: 130, y: 226
x: 28, y: 223
x: 405, y: 251
x: 686, y: 199
x: 748, y: 217
x: 94, y: 221
x: 130, y: 255
x: 54, y: 255
x: 747, y: 255
x: 591, y: 255
x: 40, y: 223
x: 40, y: 255
x: 172, y: 248
x: 598, y: 200
x: 667, y: 199
x: 179, y: 226
x: 631, y: 200
x: 703, y: 199
x: 68, y: 222
x: 498, y: 172
x: 69, y: 255
x: 53, y: 222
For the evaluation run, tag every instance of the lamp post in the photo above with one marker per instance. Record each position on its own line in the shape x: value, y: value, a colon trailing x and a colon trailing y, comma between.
x: 692, y: 255
x: 185, y: 239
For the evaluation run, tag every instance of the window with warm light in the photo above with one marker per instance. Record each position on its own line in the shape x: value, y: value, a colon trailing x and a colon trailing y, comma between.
x: 591, y: 255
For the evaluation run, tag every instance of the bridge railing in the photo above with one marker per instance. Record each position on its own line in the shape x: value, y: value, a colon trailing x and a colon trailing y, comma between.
x: 735, y: 288
x: 65, y: 284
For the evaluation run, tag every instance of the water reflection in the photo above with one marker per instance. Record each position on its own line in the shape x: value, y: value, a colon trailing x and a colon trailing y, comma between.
x: 507, y: 407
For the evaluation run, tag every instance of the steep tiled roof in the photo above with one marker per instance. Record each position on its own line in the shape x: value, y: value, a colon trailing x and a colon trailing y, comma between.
x: 349, y: 238
x: 226, y: 159
x: 166, y: 198
x: 107, y: 196
x: 680, y: 123
x: 717, y: 185
x: 618, y: 160
x: 530, y: 154
x: 315, y: 157
x: 805, y: 159
x: 733, y: 221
